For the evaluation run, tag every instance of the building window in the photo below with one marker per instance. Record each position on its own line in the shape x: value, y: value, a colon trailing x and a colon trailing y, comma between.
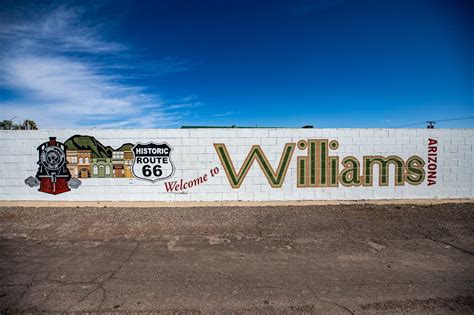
x: 107, y: 169
x: 96, y: 170
x: 81, y: 161
x: 87, y: 160
x: 74, y: 159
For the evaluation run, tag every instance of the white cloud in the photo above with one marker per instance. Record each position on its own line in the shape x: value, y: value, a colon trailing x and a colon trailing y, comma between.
x: 62, y: 29
x: 60, y: 89
x: 224, y: 114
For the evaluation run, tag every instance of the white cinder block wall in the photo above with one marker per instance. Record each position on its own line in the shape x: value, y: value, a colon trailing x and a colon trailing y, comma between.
x: 194, y: 155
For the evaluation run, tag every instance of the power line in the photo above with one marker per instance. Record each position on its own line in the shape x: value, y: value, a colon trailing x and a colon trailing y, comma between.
x: 435, y: 121
x: 451, y: 119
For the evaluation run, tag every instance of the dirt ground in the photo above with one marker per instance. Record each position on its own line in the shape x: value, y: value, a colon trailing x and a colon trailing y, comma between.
x: 361, y: 258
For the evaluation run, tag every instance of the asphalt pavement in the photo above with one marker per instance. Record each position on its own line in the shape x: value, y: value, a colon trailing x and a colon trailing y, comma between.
x: 360, y: 258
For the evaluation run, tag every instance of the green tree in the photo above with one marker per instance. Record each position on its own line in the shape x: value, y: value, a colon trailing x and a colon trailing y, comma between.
x: 6, y: 125
x: 29, y: 125
x: 26, y: 125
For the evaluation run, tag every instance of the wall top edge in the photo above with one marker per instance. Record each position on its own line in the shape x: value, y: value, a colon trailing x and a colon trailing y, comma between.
x: 211, y: 129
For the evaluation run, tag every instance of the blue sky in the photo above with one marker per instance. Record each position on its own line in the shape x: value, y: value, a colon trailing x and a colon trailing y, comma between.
x: 164, y: 64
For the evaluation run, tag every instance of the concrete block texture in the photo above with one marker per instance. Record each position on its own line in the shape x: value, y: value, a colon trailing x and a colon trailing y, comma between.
x: 254, y: 164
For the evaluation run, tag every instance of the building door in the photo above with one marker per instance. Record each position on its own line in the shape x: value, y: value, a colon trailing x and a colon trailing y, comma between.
x: 84, y: 173
x: 116, y: 172
x: 101, y: 171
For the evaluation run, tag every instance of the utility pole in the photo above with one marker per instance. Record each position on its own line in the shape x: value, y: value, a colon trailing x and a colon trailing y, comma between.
x: 12, y: 127
x: 430, y: 124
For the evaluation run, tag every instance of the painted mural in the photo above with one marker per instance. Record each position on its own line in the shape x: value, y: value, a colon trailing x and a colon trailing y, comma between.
x: 318, y: 168
x: 152, y: 161
x: 88, y: 158
x: 62, y: 166
x: 53, y: 175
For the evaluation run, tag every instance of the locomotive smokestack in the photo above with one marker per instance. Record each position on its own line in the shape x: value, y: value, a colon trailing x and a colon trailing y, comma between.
x: 52, y: 141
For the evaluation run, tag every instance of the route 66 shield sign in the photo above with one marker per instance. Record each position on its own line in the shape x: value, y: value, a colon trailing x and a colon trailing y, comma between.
x: 152, y: 161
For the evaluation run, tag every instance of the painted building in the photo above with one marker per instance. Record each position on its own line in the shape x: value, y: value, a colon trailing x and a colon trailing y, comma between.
x: 128, y: 161
x: 102, y: 167
x: 71, y: 156
x: 118, y: 163
x: 84, y: 163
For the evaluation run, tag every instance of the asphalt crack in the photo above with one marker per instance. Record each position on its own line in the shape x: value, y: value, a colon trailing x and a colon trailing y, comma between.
x: 448, y: 244
x: 345, y: 308
x: 100, y: 284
